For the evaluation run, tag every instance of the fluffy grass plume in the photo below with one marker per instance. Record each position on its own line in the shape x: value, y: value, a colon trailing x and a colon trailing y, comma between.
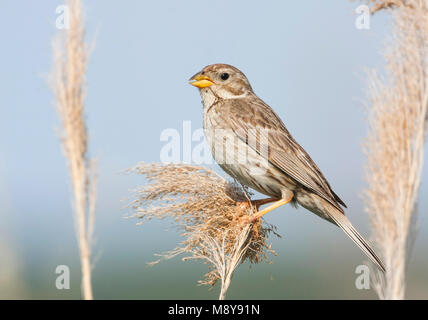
x: 209, y: 211
x: 378, y: 5
x: 395, y: 142
x: 68, y: 82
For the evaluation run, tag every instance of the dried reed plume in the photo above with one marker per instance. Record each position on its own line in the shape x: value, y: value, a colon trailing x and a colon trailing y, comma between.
x: 209, y: 211
x: 378, y: 5
x: 395, y: 142
x: 68, y: 77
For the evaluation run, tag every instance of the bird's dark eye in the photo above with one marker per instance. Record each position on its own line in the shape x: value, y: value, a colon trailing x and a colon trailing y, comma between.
x: 224, y: 76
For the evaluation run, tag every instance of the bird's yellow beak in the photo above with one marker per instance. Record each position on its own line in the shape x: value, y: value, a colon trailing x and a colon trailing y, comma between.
x: 200, y: 81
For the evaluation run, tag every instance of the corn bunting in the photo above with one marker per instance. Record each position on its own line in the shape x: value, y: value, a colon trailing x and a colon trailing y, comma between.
x: 250, y: 143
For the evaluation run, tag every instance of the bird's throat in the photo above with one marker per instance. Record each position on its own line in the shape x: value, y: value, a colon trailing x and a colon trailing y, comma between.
x: 208, y: 98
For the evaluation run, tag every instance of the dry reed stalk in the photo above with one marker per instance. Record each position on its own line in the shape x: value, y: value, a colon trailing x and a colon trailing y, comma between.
x: 395, y: 143
x: 209, y: 211
x: 71, y: 55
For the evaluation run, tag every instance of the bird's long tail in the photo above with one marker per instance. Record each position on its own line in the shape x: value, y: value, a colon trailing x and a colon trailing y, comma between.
x: 343, y: 222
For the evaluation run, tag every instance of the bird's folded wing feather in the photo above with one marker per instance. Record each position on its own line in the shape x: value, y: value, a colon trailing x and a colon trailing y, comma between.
x: 259, y: 123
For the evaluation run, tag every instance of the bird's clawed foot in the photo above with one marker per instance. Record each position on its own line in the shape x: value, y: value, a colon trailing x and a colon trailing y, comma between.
x: 277, y: 203
x: 249, y: 219
x: 245, y: 205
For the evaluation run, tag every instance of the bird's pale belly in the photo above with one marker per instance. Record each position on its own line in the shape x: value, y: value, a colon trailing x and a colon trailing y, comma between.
x: 247, y: 166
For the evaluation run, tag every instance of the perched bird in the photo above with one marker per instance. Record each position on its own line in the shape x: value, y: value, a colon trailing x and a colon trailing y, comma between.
x: 251, y: 143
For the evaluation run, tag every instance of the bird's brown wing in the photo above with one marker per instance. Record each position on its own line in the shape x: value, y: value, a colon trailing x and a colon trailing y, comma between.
x: 253, y: 120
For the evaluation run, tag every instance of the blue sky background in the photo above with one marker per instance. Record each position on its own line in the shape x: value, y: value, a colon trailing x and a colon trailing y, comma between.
x: 304, y: 58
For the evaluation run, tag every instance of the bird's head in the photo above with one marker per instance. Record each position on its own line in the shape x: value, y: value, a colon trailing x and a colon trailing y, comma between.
x: 223, y: 80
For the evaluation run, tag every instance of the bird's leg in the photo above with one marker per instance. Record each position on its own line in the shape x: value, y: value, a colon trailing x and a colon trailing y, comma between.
x: 260, y: 202
x: 256, y: 203
x: 277, y: 204
x: 244, y: 205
